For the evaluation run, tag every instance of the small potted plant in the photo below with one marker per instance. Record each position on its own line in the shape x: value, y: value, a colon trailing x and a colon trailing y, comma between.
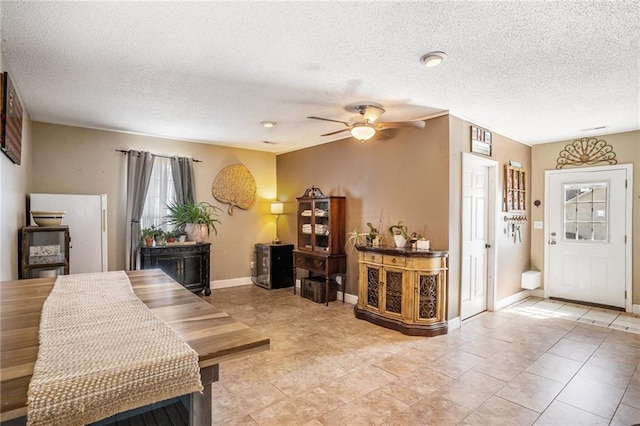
x: 374, y: 238
x: 171, y: 237
x: 160, y: 237
x: 399, y: 234
x: 148, y: 235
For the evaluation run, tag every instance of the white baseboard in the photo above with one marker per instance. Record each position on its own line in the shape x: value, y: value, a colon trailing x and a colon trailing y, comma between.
x: 452, y: 324
x: 537, y: 293
x: 233, y: 282
x: 635, y: 309
x: 351, y: 299
x: 510, y: 300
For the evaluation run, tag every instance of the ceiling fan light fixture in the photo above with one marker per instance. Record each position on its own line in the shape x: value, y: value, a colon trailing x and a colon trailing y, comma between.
x: 433, y: 59
x: 362, y: 132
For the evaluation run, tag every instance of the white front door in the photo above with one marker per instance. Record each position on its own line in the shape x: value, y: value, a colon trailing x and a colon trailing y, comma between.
x: 475, y: 240
x: 586, y: 234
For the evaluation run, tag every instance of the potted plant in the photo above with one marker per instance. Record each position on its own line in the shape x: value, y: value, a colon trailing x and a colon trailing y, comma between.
x: 196, y: 218
x: 374, y: 238
x: 160, y: 237
x: 171, y: 236
x: 147, y: 235
x: 399, y: 234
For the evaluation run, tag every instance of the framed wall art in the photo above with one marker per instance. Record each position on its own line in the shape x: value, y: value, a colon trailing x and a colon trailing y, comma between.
x: 11, y: 121
x: 480, y: 141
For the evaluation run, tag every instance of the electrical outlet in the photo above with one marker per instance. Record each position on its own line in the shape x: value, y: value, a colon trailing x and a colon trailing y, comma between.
x: 537, y: 224
x: 339, y: 279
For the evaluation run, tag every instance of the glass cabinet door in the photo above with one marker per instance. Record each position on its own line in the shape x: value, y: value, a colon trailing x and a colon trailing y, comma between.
x: 321, y: 229
x: 305, y: 224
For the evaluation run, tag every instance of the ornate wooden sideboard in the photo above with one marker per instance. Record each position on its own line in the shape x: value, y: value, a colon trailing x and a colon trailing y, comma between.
x: 187, y: 264
x: 403, y: 289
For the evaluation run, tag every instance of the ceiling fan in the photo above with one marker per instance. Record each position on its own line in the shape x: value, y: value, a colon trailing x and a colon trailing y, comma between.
x: 365, y: 127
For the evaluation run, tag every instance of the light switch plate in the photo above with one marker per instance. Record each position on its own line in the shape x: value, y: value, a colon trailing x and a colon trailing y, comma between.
x: 537, y: 224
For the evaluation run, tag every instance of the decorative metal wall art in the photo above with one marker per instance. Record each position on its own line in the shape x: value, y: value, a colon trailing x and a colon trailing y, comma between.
x: 586, y: 152
x: 236, y: 186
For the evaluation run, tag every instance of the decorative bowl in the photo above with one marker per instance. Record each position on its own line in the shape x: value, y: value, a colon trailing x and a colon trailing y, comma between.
x: 47, y: 218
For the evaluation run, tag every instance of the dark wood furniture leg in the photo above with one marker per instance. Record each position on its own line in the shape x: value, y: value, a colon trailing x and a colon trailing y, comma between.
x: 200, y: 410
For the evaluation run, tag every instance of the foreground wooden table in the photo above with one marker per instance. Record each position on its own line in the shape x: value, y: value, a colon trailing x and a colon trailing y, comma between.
x: 213, y: 334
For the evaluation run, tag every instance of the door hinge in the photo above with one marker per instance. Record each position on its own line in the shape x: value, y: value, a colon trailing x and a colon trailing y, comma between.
x: 625, y: 294
x: 625, y: 183
x: 625, y: 239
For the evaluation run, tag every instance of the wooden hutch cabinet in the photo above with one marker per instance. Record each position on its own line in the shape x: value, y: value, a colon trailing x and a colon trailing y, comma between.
x: 187, y: 264
x: 403, y: 289
x: 43, y: 251
x: 321, y: 236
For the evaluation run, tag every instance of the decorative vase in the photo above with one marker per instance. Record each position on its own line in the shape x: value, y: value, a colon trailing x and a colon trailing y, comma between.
x: 400, y: 241
x: 197, y: 232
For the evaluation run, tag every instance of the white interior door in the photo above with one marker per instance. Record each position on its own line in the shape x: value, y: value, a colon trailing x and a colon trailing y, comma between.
x: 475, y: 240
x: 586, y: 233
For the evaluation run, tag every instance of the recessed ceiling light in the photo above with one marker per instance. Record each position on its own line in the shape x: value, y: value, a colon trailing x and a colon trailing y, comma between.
x: 433, y: 59
x: 268, y: 123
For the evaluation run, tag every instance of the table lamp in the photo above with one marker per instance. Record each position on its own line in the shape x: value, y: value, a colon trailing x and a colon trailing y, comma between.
x: 277, y: 208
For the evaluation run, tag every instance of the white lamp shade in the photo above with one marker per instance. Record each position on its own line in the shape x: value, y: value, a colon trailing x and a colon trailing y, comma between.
x: 277, y: 208
x: 362, y: 132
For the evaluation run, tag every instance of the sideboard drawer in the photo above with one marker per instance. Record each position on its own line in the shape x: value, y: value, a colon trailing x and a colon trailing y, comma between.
x: 370, y: 257
x: 394, y: 260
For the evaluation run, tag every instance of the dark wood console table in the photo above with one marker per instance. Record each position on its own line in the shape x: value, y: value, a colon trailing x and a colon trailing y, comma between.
x: 188, y: 264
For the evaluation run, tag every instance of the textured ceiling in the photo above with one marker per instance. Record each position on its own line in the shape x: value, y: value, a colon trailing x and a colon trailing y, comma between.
x: 211, y: 71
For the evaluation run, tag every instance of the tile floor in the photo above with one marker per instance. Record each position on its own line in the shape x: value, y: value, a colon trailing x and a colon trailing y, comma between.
x: 537, y: 362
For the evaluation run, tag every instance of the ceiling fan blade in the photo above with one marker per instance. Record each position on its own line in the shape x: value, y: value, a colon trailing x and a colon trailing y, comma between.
x: 336, y: 132
x: 370, y: 113
x: 417, y: 124
x: 328, y: 119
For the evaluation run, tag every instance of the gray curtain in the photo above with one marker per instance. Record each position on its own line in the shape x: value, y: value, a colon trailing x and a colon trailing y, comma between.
x: 182, y: 171
x: 139, y: 166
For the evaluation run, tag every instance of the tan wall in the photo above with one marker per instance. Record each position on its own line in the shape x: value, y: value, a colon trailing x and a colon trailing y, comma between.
x: 627, y: 149
x: 84, y: 161
x: 401, y: 178
x: 512, y: 257
x: 14, y: 183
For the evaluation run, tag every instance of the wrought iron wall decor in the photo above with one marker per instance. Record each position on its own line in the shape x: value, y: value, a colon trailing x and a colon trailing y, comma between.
x: 586, y: 152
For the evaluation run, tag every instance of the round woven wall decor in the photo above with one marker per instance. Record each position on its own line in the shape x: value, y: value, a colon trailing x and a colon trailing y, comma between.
x: 236, y: 186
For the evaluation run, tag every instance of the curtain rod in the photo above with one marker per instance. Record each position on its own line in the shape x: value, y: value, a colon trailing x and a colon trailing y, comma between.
x: 155, y: 155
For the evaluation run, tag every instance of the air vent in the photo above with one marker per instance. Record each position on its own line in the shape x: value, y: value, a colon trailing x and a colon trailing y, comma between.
x: 270, y: 142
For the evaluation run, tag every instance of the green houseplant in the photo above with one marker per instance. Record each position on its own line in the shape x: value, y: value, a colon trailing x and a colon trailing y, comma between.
x: 196, y: 218
x: 147, y: 235
x: 399, y: 234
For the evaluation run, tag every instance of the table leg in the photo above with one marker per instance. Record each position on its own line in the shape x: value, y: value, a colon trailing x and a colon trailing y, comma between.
x: 200, y: 410
x: 326, y: 289
x: 295, y: 270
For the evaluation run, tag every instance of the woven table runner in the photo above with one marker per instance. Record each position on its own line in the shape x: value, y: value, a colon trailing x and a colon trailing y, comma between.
x: 102, y: 352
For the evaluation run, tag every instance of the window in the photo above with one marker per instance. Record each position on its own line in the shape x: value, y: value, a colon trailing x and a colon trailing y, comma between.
x: 161, y: 191
x: 585, y: 212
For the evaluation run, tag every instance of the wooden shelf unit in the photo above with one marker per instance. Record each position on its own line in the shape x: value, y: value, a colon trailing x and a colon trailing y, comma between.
x: 321, y: 237
x: 43, y: 249
x: 515, y: 189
